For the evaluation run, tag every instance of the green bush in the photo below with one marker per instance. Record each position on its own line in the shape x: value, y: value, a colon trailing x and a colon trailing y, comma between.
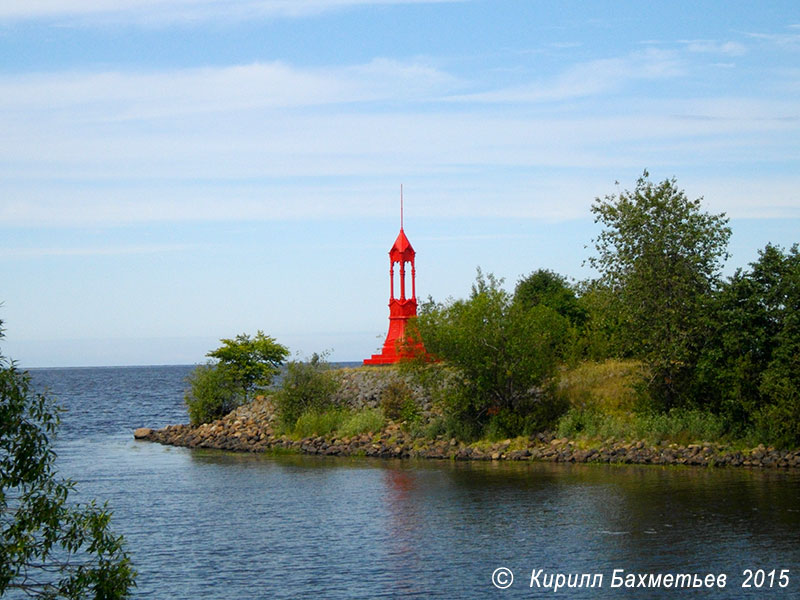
x: 338, y: 422
x: 213, y: 393
x: 313, y: 423
x: 502, y: 354
x: 397, y: 402
x: 307, y: 387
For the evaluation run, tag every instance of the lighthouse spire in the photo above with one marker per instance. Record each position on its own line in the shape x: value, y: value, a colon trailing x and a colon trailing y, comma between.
x: 401, y: 206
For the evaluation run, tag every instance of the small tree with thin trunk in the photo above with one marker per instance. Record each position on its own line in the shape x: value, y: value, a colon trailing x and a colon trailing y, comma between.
x: 661, y: 255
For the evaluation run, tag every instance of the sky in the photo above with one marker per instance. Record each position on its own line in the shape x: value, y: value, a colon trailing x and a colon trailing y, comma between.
x: 174, y: 172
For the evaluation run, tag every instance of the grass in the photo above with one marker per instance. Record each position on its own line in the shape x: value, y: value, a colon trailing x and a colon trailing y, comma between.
x: 365, y: 421
x: 602, y: 398
x: 314, y: 423
x: 678, y: 426
x: 607, y: 386
x: 338, y: 423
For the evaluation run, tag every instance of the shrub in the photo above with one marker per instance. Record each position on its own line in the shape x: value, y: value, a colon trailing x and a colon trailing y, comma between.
x: 502, y: 353
x: 307, y: 387
x: 313, y: 423
x: 213, y: 393
x: 397, y: 402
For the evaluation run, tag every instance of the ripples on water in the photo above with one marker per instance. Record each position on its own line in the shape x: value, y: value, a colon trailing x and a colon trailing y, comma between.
x: 212, y: 525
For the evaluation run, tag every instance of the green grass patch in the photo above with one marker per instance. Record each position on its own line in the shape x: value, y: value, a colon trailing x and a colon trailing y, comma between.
x: 680, y: 426
x: 313, y: 423
x: 338, y: 423
x: 365, y: 421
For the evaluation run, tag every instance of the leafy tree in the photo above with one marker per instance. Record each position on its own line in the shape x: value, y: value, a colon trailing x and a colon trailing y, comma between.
x: 748, y: 368
x: 780, y: 383
x: 600, y: 336
x: 49, y: 548
x: 252, y: 363
x: 745, y: 317
x: 547, y: 288
x: 244, y: 365
x: 503, y: 354
x: 661, y: 255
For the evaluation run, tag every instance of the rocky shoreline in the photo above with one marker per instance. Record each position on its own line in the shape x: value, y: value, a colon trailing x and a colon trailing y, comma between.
x: 250, y: 429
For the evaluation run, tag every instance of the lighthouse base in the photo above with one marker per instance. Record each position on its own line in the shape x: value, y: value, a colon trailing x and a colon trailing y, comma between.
x: 397, y: 347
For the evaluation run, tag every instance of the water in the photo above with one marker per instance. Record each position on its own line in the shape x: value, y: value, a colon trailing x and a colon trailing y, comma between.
x: 212, y: 525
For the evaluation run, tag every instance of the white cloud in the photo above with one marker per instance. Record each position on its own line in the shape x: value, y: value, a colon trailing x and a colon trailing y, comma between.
x: 169, y: 11
x: 118, y: 95
x: 254, y: 141
x: 589, y: 78
x: 715, y: 47
x: 40, y: 252
x: 786, y: 41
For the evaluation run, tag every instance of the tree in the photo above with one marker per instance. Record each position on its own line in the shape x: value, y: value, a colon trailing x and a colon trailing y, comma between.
x: 550, y: 289
x: 660, y: 254
x: 49, y: 548
x: 502, y: 352
x: 779, y: 419
x: 252, y: 363
x: 748, y: 369
x: 745, y: 317
x: 243, y: 366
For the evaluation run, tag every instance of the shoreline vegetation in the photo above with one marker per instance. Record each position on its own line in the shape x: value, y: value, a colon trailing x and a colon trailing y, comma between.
x: 255, y: 427
x: 658, y: 359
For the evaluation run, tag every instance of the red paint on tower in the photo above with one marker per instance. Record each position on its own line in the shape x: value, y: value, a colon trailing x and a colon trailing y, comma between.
x: 401, y: 309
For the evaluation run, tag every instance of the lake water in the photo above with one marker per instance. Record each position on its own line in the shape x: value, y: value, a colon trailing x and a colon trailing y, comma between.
x: 211, y: 525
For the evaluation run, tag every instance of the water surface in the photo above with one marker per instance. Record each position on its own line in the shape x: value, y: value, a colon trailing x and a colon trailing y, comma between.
x: 213, y: 525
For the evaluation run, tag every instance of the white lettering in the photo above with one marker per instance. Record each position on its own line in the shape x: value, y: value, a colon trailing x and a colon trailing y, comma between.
x: 560, y: 582
x: 535, y: 577
x: 616, y: 578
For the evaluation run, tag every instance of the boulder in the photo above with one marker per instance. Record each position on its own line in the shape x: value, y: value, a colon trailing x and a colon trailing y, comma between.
x: 142, y: 433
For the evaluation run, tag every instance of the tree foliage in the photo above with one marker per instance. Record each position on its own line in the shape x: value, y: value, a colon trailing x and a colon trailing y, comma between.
x: 748, y: 368
x: 661, y: 255
x: 251, y: 362
x: 503, y: 354
x: 213, y: 393
x: 49, y: 547
x: 244, y: 365
x: 547, y: 288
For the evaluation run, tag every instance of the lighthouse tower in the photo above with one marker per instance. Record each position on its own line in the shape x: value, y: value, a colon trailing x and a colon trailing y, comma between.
x: 401, y: 308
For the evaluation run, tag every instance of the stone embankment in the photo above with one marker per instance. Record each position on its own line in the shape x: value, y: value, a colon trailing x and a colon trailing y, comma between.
x: 250, y: 429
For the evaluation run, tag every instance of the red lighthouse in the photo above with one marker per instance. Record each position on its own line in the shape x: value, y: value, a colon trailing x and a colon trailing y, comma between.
x: 400, y: 309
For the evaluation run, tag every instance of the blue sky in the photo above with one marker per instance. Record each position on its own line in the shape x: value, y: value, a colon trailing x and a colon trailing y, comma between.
x: 177, y: 171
